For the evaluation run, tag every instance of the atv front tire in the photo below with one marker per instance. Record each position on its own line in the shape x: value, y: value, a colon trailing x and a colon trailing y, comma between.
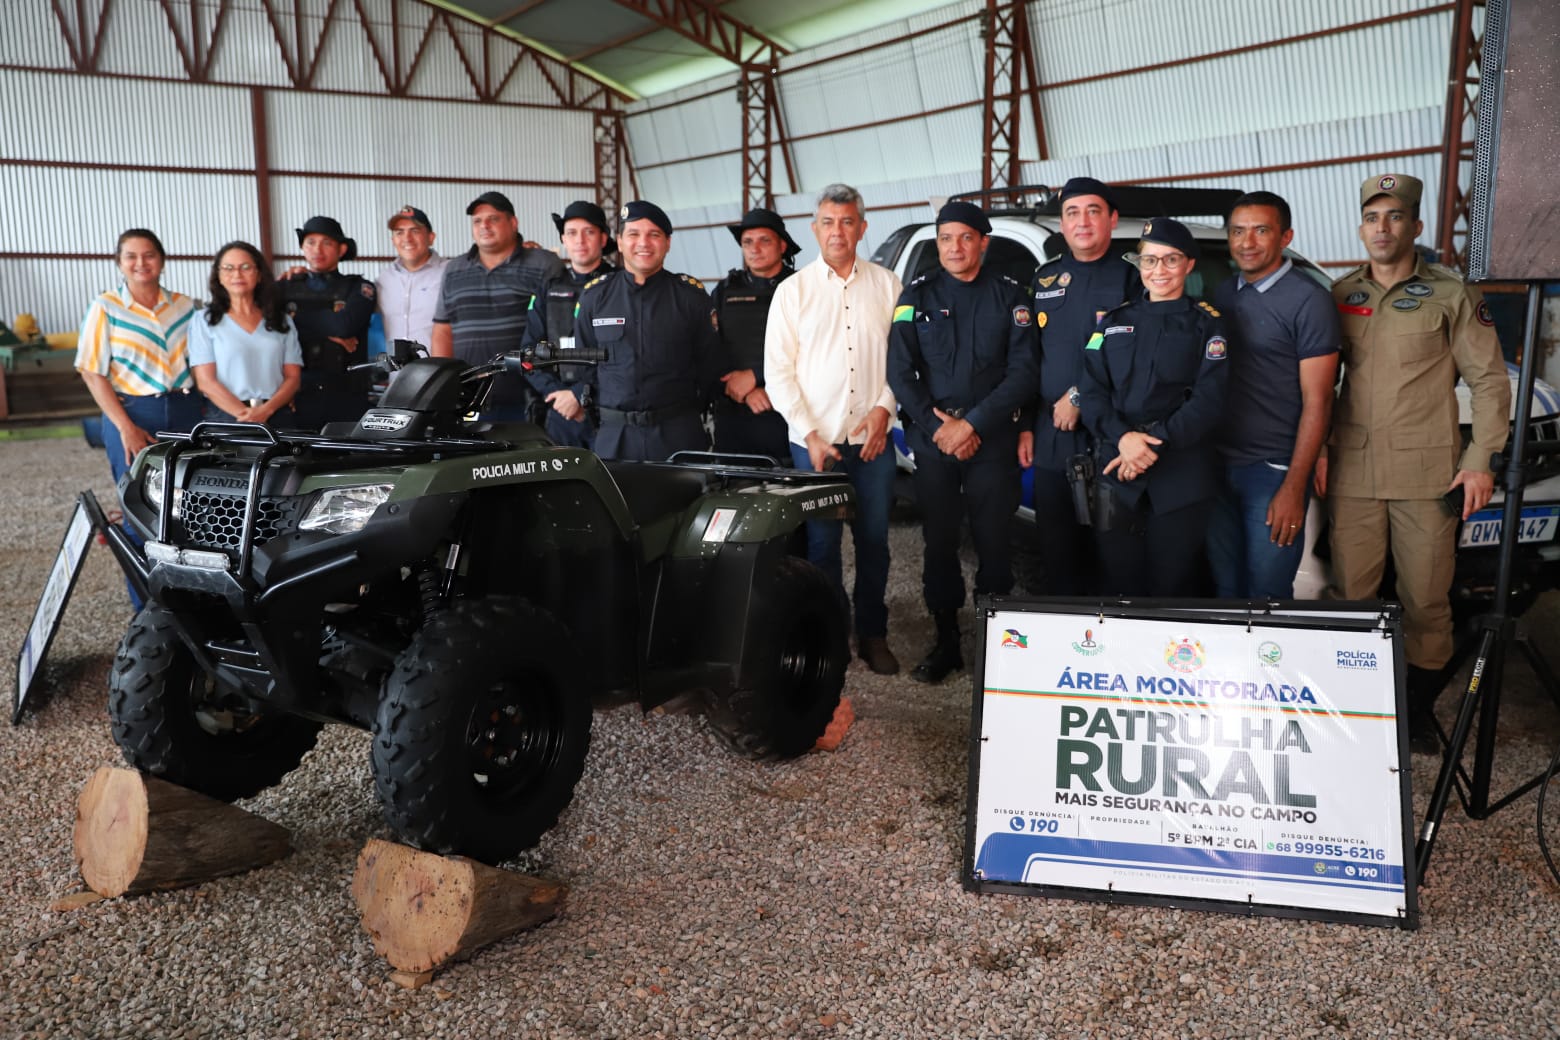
x: 794, y: 660
x: 482, y: 730
x: 172, y: 720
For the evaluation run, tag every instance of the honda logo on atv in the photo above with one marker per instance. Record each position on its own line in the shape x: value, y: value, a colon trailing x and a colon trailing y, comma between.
x: 384, y: 422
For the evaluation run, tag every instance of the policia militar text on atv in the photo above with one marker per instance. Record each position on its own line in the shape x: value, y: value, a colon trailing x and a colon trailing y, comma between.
x: 464, y: 591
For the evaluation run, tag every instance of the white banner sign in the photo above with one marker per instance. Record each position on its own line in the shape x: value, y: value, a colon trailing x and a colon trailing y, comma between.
x: 1192, y: 759
x: 46, y: 618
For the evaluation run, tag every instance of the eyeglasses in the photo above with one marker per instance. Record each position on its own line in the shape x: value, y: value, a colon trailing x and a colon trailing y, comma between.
x: 240, y: 268
x: 1172, y: 261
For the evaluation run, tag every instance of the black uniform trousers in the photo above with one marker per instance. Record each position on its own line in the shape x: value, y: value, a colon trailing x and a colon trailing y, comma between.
x: 1159, y: 557
x: 650, y: 442
x: 1066, y: 547
x: 327, y: 397
x: 985, y: 487
x: 741, y: 432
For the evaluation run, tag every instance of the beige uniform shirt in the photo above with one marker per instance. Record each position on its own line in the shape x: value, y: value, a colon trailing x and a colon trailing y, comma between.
x: 1394, y: 430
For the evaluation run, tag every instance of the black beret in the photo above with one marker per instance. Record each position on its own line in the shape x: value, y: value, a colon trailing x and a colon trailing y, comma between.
x: 642, y: 210
x: 1087, y: 186
x: 1172, y: 233
x: 966, y: 213
x: 769, y: 220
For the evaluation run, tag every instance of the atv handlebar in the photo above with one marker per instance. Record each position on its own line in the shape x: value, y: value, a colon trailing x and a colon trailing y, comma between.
x: 541, y: 355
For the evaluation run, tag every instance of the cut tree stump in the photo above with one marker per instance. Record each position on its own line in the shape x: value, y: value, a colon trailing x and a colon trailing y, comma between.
x: 423, y: 910
x: 137, y: 833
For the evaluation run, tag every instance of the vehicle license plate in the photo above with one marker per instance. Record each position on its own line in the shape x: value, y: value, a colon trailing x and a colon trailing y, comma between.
x: 1539, y: 524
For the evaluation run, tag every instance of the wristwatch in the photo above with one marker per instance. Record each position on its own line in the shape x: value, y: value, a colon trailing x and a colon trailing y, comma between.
x: 1073, y: 398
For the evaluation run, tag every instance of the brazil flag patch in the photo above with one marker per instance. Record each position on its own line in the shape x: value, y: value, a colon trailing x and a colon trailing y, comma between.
x: 1094, y: 341
x: 904, y: 312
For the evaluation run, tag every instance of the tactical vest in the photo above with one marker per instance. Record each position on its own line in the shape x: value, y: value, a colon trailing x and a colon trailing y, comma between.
x: 307, y: 306
x: 744, y: 314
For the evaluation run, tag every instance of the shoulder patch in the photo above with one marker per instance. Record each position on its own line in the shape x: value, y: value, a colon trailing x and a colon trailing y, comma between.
x: 1482, y: 313
x: 1205, y: 305
x: 904, y: 312
x: 1215, y: 349
x: 1021, y: 316
x: 367, y: 289
x: 1095, y: 341
x: 691, y: 280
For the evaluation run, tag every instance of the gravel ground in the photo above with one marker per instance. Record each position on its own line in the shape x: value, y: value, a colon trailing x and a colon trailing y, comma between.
x: 712, y: 897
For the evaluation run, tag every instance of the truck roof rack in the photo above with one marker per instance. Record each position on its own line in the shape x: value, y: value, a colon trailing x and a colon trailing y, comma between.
x: 1135, y: 200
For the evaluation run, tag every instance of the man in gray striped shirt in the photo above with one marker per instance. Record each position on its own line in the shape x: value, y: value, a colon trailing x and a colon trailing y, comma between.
x: 482, y: 309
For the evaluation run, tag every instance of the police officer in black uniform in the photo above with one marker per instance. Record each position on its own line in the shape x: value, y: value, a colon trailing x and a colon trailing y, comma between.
x: 1071, y: 292
x: 1154, y: 375
x: 658, y: 330
x: 745, y: 421
x: 331, y: 312
x: 583, y: 227
x: 963, y: 359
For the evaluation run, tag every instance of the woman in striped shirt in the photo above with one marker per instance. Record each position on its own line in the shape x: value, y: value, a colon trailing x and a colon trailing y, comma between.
x: 132, y: 353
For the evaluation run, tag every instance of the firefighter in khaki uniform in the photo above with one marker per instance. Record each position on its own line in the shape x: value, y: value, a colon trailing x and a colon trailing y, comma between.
x: 1409, y: 330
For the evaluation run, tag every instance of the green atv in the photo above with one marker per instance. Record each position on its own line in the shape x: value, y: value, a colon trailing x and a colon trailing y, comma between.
x: 464, y: 591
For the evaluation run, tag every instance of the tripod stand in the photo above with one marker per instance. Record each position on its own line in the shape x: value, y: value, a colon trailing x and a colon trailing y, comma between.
x: 1497, y: 631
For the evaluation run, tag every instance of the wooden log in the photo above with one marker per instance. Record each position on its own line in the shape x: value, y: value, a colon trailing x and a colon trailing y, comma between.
x: 423, y: 911
x: 137, y: 833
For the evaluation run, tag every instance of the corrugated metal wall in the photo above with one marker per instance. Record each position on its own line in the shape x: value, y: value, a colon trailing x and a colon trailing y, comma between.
x: 1365, y: 91
x: 83, y: 157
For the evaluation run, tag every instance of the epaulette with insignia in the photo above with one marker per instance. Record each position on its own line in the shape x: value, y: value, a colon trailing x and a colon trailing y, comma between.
x: 918, y: 280
x: 596, y: 281
x: 1210, y: 308
x: 1010, y: 280
x: 691, y: 280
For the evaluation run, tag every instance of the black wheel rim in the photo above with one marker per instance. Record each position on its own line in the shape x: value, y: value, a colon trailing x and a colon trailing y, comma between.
x: 804, y: 658
x: 514, y: 738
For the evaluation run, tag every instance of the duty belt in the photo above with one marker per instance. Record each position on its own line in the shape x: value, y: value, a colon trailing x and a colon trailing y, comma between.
x: 651, y: 417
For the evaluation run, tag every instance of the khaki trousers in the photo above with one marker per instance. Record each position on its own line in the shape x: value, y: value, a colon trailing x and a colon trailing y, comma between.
x: 1419, y: 532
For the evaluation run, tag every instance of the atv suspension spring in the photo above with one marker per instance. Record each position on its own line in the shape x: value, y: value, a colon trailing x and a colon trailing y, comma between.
x: 428, y: 591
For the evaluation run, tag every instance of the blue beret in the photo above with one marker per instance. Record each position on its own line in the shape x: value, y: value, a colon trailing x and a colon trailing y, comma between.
x: 642, y: 210
x: 1087, y: 186
x: 1172, y: 233
x: 966, y: 213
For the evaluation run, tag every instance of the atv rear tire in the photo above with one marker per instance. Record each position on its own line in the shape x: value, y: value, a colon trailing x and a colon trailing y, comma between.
x: 171, y: 720
x: 794, y: 662
x: 482, y: 730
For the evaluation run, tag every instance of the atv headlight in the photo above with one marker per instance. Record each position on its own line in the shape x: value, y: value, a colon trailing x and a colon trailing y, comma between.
x: 344, y: 510
x: 152, y: 485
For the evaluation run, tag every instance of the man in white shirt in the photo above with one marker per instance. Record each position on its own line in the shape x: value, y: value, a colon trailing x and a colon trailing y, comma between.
x: 409, y: 288
x: 825, y: 365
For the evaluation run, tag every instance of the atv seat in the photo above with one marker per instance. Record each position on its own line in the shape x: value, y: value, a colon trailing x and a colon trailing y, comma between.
x: 654, y: 490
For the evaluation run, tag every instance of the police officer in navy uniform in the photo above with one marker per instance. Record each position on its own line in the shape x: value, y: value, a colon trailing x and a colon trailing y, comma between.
x: 331, y: 312
x: 1071, y: 293
x: 1152, y: 393
x: 583, y: 227
x: 745, y: 421
x: 658, y: 330
x: 963, y: 359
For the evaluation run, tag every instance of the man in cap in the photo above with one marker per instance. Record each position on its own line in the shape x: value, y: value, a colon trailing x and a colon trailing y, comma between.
x: 1283, y: 329
x: 1071, y: 293
x: 658, y: 331
x: 745, y: 419
x: 963, y: 359
x: 1410, y: 328
x: 331, y: 312
x: 826, y: 371
x: 409, y: 288
x: 583, y: 227
x: 485, y: 297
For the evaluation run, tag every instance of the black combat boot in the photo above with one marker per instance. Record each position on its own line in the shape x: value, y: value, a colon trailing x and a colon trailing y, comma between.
x: 1424, y: 686
x: 944, y: 656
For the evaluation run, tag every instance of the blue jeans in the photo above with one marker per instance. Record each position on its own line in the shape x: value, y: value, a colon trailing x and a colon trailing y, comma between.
x: 1246, y: 562
x: 177, y: 413
x: 874, y: 485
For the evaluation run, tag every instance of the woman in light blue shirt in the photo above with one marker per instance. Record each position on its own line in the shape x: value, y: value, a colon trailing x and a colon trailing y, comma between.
x: 244, y: 350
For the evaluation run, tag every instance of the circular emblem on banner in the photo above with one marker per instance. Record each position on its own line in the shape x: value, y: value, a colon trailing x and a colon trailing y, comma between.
x: 1185, y: 655
x: 1270, y: 653
x: 1387, y: 183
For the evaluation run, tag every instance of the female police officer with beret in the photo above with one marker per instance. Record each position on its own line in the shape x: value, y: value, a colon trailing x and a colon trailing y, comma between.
x: 1152, y: 394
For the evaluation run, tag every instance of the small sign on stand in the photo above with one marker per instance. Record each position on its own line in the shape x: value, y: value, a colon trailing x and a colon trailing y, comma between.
x: 1203, y: 756
x: 87, y: 518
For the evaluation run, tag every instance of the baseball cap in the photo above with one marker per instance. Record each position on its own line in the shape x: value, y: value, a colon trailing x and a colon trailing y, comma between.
x: 409, y: 213
x: 1400, y: 186
x: 497, y: 199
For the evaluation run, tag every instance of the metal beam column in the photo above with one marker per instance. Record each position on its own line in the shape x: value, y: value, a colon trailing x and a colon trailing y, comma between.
x: 755, y: 95
x: 1002, y: 115
x: 1457, y: 139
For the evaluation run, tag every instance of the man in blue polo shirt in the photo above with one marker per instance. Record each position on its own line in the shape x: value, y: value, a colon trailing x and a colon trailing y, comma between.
x: 1284, y: 340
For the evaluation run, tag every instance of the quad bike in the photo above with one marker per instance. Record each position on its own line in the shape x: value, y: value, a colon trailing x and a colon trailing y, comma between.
x: 466, y: 592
